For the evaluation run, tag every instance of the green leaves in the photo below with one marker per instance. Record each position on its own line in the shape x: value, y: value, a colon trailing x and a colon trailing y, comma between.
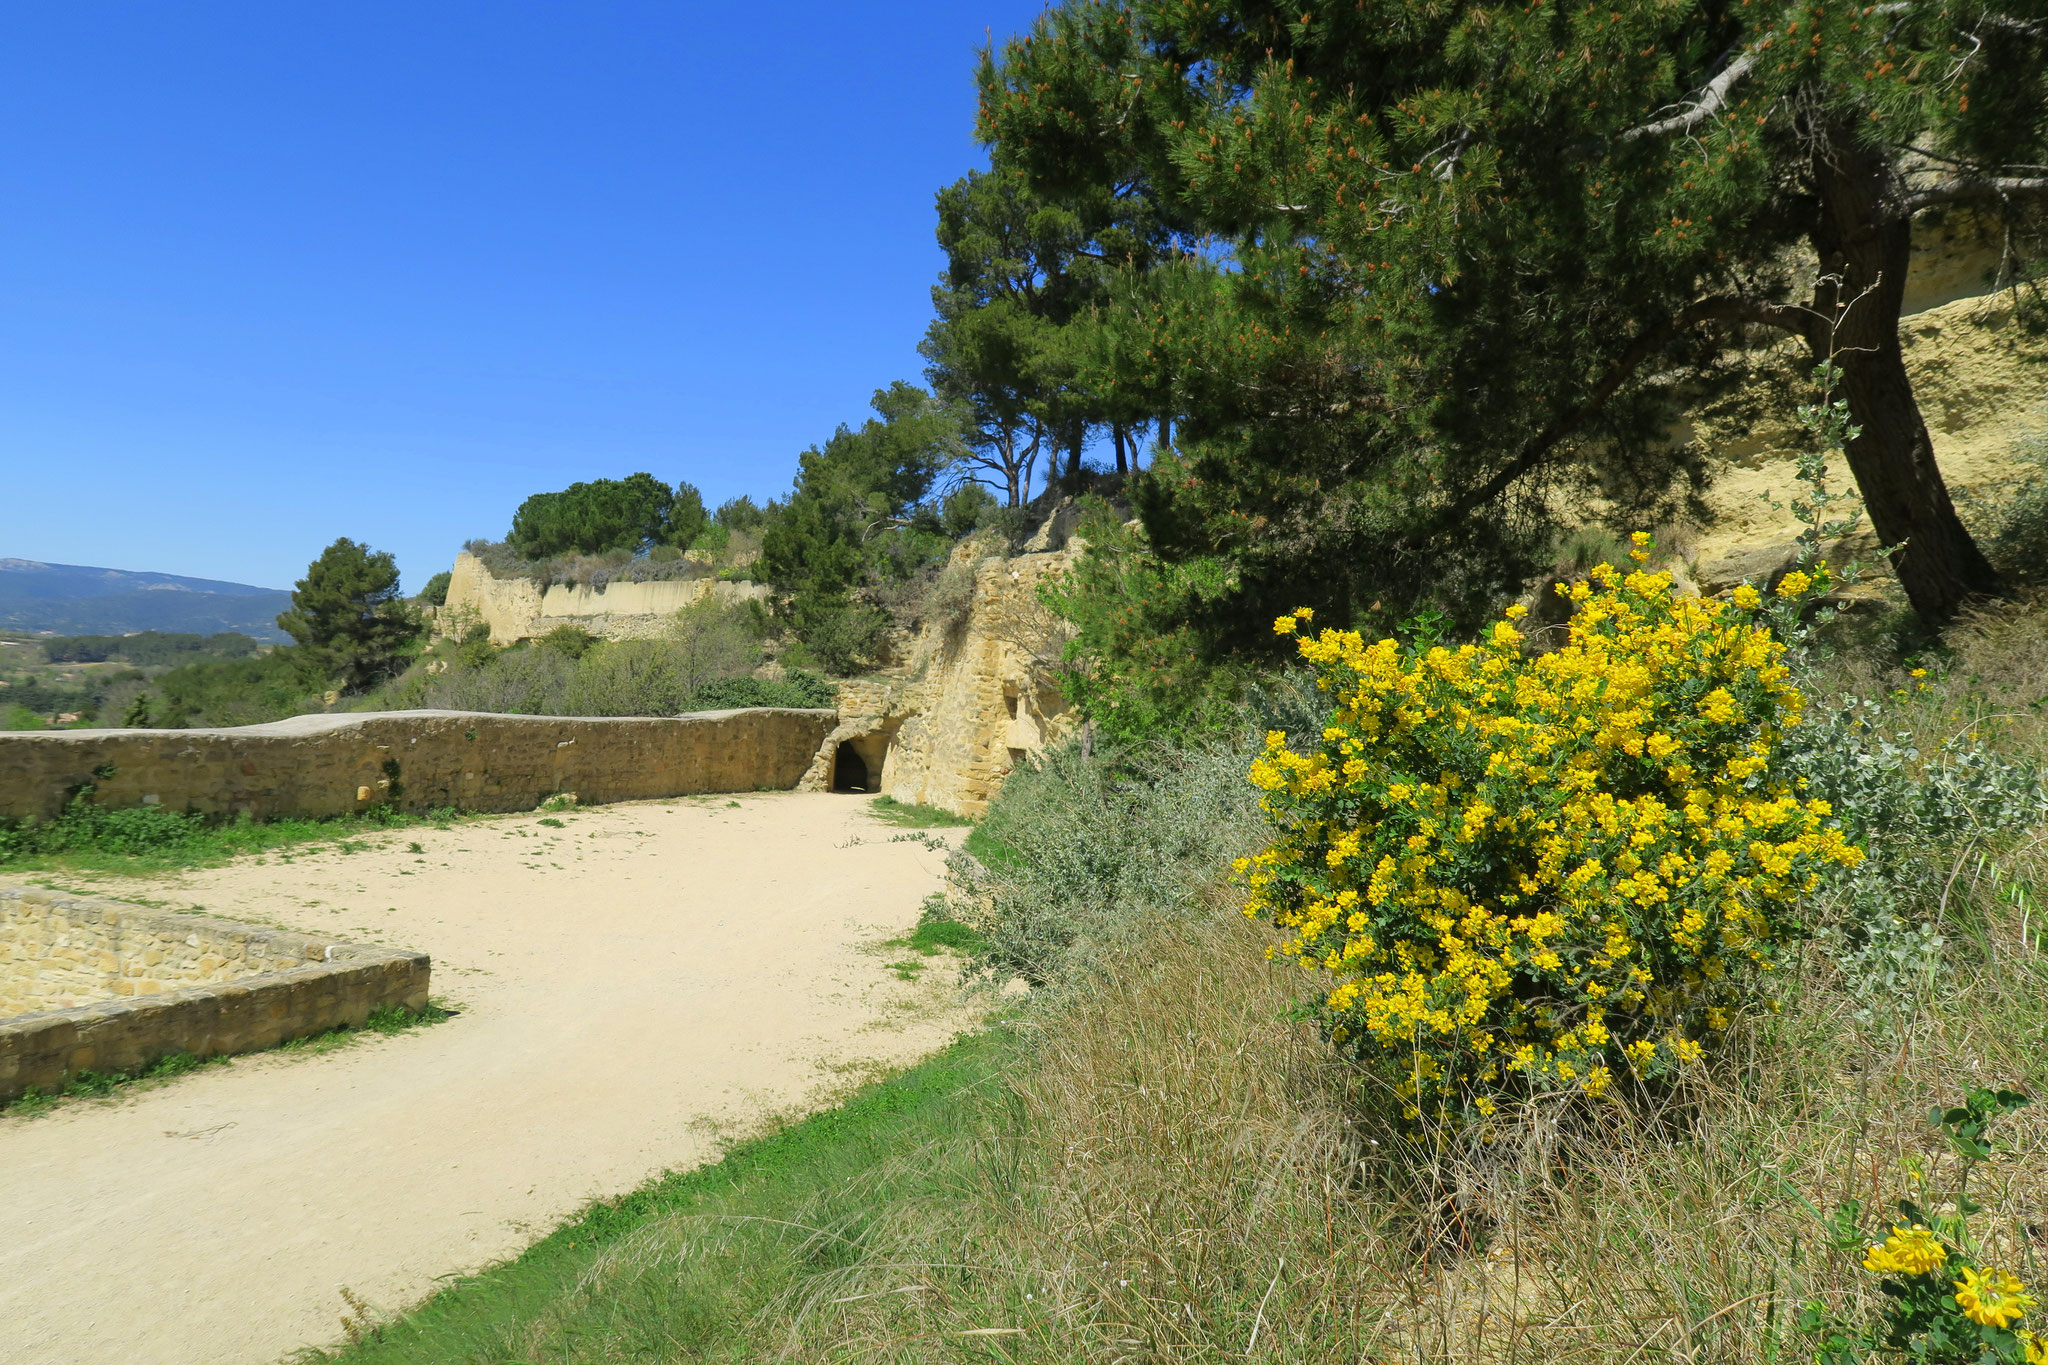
x: 632, y: 513
x: 347, y: 615
x: 1966, y: 1125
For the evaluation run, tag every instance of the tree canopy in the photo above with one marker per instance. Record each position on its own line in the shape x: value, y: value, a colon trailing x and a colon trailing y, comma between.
x: 635, y: 513
x: 347, y: 615
x: 1444, y: 268
x: 857, y: 513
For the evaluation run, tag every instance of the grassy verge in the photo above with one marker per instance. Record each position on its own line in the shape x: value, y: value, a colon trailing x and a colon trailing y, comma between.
x: 770, y: 1221
x: 936, y: 932
x: 909, y: 815
x: 149, y: 840
x: 102, y: 1085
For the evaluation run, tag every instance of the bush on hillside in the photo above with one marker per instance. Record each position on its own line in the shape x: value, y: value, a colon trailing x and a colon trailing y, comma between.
x: 219, y: 692
x: 1079, y: 848
x: 1523, y: 871
x: 795, y: 688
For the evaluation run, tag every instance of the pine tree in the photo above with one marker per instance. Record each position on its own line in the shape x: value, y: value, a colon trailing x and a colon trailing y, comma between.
x: 347, y: 615
x: 1470, y: 249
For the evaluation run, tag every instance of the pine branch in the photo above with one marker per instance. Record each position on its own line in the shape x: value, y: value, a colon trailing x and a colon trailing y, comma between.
x: 1723, y: 308
x: 1976, y: 189
x: 1711, y: 100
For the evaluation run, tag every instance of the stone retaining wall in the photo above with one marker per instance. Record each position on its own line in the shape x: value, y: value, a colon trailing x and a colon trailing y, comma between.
x: 413, y: 760
x: 250, y: 987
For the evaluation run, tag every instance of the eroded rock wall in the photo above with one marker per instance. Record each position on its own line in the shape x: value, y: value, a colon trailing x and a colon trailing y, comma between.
x: 975, y: 698
x: 517, y: 609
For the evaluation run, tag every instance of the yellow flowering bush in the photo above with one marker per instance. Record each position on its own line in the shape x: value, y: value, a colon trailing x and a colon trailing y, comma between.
x: 1515, y: 867
x: 1943, y: 1304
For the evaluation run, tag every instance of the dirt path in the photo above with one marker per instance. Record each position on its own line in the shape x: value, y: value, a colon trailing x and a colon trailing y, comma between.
x: 628, y: 984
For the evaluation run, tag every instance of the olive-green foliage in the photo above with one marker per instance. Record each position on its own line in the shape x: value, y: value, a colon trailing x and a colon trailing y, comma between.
x: 687, y: 520
x: 150, y: 648
x: 571, y: 642
x: 794, y: 688
x: 1078, y: 847
x: 2020, y: 545
x: 703, y: 661
x: 1137, y: 666
x: 215, y: 692
x: 154, y: 839
x: 858, y: 517
x: 435, y: 593
x: 740, y: 514
x: 347, y: 616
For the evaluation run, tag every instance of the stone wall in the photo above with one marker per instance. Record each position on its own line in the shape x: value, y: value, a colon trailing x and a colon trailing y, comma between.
x: 166, y: 983
x: 55, y: 954
x: 517, y: 609
x: 976, y: 696
x: 413, y: 760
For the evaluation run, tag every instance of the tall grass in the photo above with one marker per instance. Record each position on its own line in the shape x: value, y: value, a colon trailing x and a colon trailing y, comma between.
x: 1160, y: 1164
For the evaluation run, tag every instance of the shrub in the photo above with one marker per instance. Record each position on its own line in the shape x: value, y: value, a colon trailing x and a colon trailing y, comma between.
x: 1079, y: 849
x: 1551, y: 868
x: 794, y: 688
x: 435, y: 593
x: 2020, y: 545
x: 571, y: 642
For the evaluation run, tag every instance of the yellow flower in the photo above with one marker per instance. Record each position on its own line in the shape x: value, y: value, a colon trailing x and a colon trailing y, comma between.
x: 2037, y: 1350
x: 1746, y: 597
x: 1794, y: 584
x: 1993, y: 1298
x: 1284, y: 625
x: 1908, y: 1251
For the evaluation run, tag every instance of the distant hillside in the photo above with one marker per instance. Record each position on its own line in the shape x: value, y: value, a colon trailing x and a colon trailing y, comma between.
x: 75, y: 599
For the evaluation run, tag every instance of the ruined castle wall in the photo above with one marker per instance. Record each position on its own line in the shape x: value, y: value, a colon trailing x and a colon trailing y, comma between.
x: 517, y: 609
x: 413, y: 760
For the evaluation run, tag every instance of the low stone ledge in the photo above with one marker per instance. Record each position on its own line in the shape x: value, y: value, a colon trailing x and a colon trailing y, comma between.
x: 338, y: 983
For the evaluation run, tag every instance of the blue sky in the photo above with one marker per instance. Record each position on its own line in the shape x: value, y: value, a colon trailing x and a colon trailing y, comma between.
x: 277, y: 272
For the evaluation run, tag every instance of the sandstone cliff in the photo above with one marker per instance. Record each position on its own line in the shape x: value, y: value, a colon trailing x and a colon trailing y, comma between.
x: 517, y: 609
x: 975, y: 698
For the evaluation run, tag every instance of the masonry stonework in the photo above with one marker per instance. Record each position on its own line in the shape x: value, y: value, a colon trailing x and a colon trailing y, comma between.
x: 412, y: 760
x: 95, y: 985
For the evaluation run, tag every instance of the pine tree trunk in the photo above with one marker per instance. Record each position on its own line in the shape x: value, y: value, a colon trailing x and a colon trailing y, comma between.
x: 1867, y: 245
x: 1116, y: 435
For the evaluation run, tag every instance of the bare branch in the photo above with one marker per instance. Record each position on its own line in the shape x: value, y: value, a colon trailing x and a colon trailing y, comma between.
x: 1976, y: 189
x: 1711, y: 100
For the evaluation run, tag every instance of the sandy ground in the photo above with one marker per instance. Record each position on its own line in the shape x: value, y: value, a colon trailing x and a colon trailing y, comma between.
x: 631, y: 987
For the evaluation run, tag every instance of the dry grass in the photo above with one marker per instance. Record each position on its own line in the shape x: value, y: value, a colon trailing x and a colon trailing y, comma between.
x: 1164, y: 1166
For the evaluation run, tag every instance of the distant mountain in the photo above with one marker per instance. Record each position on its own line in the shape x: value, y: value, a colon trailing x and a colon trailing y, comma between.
x: 73, y: 599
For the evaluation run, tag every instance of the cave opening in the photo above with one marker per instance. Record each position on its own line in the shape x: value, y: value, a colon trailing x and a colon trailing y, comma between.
x: 849, y: 771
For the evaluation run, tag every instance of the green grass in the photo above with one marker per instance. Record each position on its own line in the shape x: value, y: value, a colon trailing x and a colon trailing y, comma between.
x: 102, y: 1085
x: 907, y: 815
x: 768, y: 1220
x: 936, y: 932
x: 149, y: 840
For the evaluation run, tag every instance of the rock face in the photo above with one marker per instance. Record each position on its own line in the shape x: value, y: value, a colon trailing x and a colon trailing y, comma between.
x: 516, y: 609
x: 976, y: 697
